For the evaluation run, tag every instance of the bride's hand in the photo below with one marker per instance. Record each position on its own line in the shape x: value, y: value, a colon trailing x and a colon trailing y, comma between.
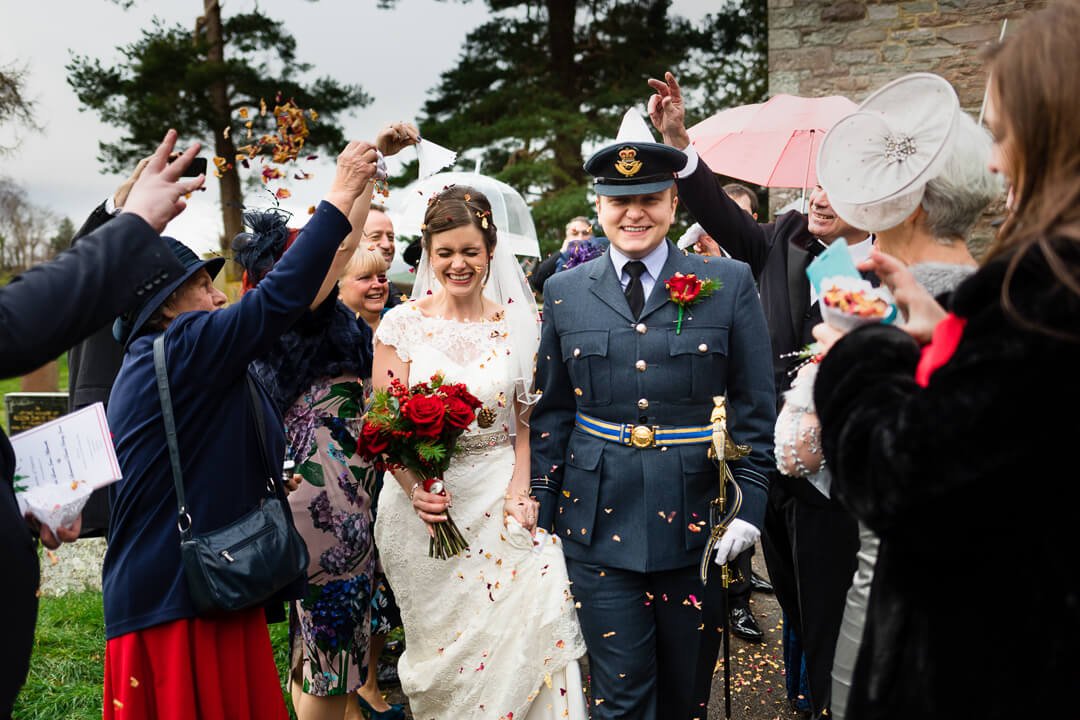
x: 523, y: 508
x: 429, y: 507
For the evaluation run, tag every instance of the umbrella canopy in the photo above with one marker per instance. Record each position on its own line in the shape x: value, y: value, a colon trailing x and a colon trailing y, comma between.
x: 508, y: 208
x: 774, y: 143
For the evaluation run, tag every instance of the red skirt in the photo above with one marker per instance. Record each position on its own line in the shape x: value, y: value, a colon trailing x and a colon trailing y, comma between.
x: 211, y: 669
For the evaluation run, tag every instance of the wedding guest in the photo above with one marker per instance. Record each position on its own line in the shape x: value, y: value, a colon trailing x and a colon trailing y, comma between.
x: 620, y: 436
x: 379, y: 232
x: 927, y: 429
x: 579, y: 245
x: 809, y: 540
x: 363, y: 289
x: 318, y: 370
x: 474, y: 320
x: 93, y: 363
x: 930, y: 238
x: 46, y: 310
x: 163, y: 660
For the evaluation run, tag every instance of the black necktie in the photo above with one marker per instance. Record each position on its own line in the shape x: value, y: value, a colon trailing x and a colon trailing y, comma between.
x: 635, y: 291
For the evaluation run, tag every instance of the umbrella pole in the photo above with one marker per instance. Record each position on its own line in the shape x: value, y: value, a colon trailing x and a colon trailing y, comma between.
x: 986, y: 92
x: 806, y: 177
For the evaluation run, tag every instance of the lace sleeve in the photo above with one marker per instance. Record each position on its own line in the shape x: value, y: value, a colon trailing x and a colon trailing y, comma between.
x: 798, y: 432
x: 396, y: 329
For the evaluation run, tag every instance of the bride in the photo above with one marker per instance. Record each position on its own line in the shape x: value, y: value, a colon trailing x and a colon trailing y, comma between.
x: 491, y: 633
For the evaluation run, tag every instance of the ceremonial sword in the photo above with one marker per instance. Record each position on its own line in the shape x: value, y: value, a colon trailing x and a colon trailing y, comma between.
x: 721, y: 511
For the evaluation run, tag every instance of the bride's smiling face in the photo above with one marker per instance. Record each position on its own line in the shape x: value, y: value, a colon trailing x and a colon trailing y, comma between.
x: 459, y: 259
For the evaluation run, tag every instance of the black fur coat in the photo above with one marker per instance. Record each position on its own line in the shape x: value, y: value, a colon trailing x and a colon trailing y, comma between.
x: 972, y: 484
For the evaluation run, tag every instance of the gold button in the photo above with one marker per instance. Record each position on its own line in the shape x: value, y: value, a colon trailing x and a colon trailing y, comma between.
x: 643, y: 404
x: 577, y: 352
x: 641, y: 365
x: 640, y: 327
x: 702, y: 347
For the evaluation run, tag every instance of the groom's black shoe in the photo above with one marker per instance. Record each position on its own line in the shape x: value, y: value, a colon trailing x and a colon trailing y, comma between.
x: 743, y: 625
x: 760, y: 584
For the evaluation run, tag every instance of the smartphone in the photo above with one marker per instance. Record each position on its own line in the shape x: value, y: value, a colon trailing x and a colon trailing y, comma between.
x: 196, y: 167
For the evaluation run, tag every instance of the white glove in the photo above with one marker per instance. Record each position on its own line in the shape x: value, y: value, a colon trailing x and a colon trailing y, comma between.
x: 739, y: 536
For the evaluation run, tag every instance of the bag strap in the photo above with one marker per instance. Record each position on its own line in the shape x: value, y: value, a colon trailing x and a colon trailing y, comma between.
x: 183, y: 519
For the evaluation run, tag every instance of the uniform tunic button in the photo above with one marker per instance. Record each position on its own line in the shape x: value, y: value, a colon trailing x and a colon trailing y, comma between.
x: 702, y: 347
x: 641, y: 365
x: 577, y: 352
x: 642, y: 404
x: 641, y: 329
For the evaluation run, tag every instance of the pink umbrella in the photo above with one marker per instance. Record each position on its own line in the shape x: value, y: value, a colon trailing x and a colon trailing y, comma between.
x: 773, y: 143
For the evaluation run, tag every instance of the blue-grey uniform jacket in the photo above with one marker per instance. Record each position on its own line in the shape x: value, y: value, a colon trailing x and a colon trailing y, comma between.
x: 646, y: 510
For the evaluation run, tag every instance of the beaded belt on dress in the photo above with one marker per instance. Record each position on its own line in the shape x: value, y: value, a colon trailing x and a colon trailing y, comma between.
x: 482, y: 442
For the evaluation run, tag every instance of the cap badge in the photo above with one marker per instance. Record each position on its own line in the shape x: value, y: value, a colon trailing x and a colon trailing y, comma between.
x: 628, y: 164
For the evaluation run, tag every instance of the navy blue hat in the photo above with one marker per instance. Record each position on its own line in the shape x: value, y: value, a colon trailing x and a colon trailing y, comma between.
x: 126, y: 327
x: 634, y: 164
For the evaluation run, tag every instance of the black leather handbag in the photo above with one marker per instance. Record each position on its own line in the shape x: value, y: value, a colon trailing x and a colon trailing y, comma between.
x: 246, y: 562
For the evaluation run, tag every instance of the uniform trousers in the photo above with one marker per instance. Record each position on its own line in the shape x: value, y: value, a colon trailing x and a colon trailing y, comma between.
x: 652, y: 638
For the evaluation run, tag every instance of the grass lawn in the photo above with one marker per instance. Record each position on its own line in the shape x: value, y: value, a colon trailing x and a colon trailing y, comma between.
x: 67, y: 669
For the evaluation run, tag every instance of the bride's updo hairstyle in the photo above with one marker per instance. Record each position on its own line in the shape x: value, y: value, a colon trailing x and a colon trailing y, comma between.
x: 457, y: 206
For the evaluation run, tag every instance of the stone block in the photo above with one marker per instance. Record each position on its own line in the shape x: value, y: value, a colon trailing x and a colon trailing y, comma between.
x: 806, y: 58
x: 918, y: 7
x: 894, y: 53
x: 843, y: 11
x: 939, y: 19
x: 920, y: 36
x: 931, y: 53
x: 785, y: 81
x: 780, y: 4
x: 970, y: 34
x: 828, y: 35
x: 866, y: 36
x: 784, y: 39
x: 794, y: 17
x: 882, y: 12
x: 856, y: 57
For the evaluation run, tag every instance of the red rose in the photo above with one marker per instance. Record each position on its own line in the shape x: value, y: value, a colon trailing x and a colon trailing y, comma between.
x: 684, y: 288
x: 373, y: 442
x: 458, y: 390
x: 426, y: 413
x: 459, y: 414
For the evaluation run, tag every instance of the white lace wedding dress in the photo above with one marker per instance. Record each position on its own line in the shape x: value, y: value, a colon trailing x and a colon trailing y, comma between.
x: 492, y: 633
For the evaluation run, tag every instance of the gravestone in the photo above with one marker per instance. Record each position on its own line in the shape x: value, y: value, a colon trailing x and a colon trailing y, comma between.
x: 26, y: 410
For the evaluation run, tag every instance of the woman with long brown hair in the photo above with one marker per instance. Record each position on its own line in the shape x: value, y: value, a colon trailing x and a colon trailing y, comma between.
x: 939, y: 436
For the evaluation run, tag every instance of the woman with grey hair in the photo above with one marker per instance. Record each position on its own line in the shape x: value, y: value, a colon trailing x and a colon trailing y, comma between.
x: 932, y: 240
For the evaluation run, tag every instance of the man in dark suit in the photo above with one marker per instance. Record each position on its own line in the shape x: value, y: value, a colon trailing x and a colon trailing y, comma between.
x: 620, y: 436
x: 94, y: 363
x: 44, y: 311
x: 811, y: 574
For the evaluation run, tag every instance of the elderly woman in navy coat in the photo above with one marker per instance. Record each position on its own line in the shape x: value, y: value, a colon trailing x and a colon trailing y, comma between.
x: 161, y: 659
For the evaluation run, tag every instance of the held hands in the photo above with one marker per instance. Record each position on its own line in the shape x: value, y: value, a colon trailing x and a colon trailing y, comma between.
x: 917, y: 306
x: 707, y: 246
x: 740, y: 535
x: 429, y: 507
x: 395, y: 137
x: 522, y: 507
x: 356, y: 166
x: 67, y: 533
x: 667, y: 111
x: 157, y: 196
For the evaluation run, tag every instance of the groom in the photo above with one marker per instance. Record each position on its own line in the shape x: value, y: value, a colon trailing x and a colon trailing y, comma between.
x: 620, y: 436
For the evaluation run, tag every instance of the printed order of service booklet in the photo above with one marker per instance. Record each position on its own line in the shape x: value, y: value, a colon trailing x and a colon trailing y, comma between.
x: 59, y: 463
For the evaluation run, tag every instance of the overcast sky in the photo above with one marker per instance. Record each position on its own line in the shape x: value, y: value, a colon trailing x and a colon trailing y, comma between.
x: 396, y: 55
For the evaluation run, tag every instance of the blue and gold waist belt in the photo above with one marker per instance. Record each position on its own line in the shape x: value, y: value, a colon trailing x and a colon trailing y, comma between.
x: 643, y: 436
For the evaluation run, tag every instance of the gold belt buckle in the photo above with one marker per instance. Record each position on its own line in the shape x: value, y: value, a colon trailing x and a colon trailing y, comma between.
x: 642, y: 436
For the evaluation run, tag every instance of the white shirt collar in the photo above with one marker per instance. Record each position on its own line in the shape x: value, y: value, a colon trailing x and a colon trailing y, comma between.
x: 654, y: 261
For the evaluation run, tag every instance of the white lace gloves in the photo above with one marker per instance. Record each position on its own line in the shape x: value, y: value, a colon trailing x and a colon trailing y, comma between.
x: 740, y: 535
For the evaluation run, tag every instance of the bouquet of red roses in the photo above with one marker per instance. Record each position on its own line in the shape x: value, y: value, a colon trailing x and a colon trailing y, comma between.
x: 416, y: 428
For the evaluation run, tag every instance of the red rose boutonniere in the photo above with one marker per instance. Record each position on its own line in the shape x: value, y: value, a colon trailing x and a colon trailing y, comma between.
x: 686, y: 290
